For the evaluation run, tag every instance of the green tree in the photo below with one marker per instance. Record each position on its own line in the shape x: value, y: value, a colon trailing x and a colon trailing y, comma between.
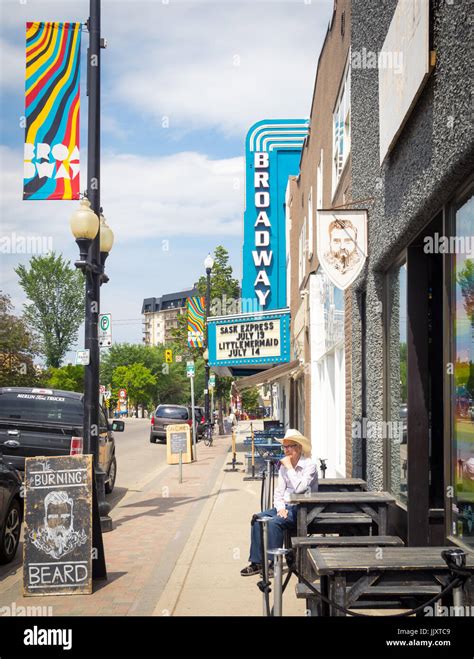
x: 465, y: 278
x: 172, y: 385
x: 67, y: 378
x: 56, y: 292
x: 225, y: 294
x: 225, y: 290
x: 250, y: 399
x: 18, y: 347
x: 138, y: 380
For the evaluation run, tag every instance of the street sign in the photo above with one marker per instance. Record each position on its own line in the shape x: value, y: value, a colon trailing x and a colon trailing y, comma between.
x: 169, y: 356
x: 83, y: 357
x: 102, y: 388
x: 105, y: 330
x: 178, y: 441
x: 178, y: 358
x: 123, y: 393
x: 107, y: 394
x: 212, y: 380
x: 190, y: 369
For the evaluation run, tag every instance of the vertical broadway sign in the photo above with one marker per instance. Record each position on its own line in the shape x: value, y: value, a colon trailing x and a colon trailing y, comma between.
x: 263, y: 258
x: 51, y: 159
x: 273, y: 151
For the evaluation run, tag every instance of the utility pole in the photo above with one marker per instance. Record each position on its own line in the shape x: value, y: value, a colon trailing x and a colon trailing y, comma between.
x: 93, y: 274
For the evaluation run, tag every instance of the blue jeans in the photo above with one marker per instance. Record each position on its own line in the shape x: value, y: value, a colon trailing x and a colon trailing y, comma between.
x: 276, y: 528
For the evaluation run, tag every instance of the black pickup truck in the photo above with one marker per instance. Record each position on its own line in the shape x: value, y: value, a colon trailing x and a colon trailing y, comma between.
x: 49, y: 422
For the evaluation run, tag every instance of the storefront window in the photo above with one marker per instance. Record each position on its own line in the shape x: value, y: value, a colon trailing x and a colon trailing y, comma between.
x: 463, y: 408
x: 395, y: 427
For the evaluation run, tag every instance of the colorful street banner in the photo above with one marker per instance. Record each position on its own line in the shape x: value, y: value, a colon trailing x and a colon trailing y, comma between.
x: 196, y: 321
x: 51, y: 161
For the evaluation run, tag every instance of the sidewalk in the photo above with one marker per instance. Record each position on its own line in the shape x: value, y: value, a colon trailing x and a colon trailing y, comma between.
x: 176, y: 549
x: 206, y: 580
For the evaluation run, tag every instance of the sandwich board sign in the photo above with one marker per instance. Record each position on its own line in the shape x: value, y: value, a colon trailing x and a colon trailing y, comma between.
x: 105, y: 330
x: 57, y: 550
x: 178, y: 440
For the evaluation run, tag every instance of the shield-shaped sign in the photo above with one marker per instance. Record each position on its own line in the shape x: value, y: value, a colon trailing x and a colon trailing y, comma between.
x: 342, y: 244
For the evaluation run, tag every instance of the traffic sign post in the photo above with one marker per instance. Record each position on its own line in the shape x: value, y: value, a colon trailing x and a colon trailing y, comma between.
x: 105, y: 330
x: 83, y: 357
x: 190, y: 374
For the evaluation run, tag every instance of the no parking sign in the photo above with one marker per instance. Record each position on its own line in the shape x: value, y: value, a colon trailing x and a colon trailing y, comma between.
x: 105, y: 330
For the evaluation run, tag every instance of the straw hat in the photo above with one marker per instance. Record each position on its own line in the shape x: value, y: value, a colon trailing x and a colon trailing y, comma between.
x: 297, y: 438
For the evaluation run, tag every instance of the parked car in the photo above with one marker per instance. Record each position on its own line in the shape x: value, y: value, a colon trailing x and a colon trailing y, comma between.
x: 49, y: 422
x: 11, y: 511
x: 166, y: 415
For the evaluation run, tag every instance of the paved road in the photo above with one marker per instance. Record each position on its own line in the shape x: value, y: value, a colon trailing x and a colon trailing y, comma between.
x: 153, y: 516
x: 137, y: 459
x: 138, y: 462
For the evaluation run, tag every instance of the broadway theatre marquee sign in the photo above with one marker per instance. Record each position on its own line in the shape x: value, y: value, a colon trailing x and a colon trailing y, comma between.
x: 249, y: 339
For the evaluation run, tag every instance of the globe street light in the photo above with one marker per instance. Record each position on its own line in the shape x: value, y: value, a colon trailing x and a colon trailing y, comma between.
x: 208, y: 264
x: 105, y: 245
x: 88, y: 232
x: 84, y: 226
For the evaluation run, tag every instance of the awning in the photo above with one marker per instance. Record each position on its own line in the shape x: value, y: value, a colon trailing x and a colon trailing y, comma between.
x: 269, y: 375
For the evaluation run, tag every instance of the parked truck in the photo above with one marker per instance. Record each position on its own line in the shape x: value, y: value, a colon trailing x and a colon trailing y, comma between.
x: 49, y: 422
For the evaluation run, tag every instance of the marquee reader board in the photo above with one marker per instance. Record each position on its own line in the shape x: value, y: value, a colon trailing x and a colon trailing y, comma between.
x: 57, y: 549
x: 178, y: 439
x: 261, y: 338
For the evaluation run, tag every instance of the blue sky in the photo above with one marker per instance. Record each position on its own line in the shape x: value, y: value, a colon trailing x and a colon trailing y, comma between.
x: 181, y: 84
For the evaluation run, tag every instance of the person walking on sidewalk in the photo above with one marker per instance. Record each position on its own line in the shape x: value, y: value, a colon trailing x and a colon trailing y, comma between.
x: 297, y: 474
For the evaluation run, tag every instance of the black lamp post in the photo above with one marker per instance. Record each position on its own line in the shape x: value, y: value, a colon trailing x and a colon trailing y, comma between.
x: 93, y: 247
x: 208, y: 263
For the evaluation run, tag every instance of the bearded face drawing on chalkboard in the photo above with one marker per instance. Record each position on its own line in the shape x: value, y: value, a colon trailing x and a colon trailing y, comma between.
x: 57, y: 537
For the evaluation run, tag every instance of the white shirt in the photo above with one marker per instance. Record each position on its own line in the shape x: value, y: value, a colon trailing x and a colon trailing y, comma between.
x: 304, y: 477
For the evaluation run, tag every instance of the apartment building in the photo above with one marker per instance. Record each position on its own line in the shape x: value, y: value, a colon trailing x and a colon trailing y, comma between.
x: 161, y: 316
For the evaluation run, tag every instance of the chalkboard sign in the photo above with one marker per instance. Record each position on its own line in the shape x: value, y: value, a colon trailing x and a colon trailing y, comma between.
x: 179, y: 442
x: 178, y: 439
x: 57, y: 551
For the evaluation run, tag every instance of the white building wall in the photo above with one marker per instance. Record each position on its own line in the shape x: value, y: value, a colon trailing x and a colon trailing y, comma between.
x: 327, y: 379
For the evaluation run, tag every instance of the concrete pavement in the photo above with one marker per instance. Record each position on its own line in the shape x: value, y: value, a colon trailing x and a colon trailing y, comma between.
x: 206, y: 579
x: 176, y: 549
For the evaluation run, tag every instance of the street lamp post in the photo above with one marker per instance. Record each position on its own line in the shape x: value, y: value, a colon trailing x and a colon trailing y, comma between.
x: 208, y: 263
x: 93, y: 248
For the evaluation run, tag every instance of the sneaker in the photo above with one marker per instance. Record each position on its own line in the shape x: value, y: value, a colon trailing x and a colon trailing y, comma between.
x: 250, y: 570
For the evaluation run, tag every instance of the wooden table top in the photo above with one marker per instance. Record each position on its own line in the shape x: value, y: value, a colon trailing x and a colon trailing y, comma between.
x: 341, y: 482
x: 348, y: 541
x: 328, y: 561
x: 342, y: 497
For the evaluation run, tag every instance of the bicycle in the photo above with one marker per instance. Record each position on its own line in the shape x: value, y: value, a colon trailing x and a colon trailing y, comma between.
x: 208, y: 434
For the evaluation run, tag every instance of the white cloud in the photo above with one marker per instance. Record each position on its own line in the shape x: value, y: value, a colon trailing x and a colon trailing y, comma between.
x: 225, y: 67
x: 12, y: 65
x: 203, y: 64
x: 184, y: 194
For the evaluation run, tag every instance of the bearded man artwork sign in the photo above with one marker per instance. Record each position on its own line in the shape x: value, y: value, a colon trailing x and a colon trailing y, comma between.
x: 342, y: 244
x: 57, y: 556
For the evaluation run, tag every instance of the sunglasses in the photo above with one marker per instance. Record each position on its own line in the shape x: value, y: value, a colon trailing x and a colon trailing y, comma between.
x: 290, y: 445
